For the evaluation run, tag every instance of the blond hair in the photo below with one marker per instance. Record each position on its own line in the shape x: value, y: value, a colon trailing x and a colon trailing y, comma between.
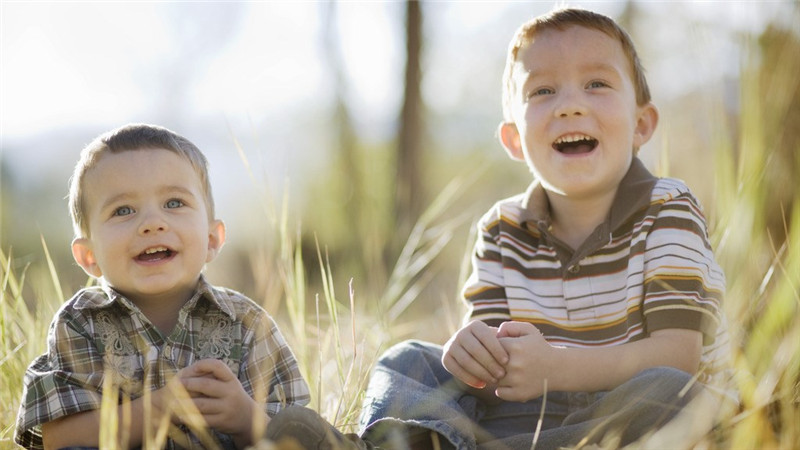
x: 132, y: 137
x: 560, y: 19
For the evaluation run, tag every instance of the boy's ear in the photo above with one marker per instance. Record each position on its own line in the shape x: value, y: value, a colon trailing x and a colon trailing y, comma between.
x: 216, y: 239
x: 645, y: 125
x: 509, y: 137
x: 84, y: 256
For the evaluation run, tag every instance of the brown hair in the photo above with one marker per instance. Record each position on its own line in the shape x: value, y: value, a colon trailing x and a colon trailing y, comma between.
x: 561, y: 19
x: 132, y: 137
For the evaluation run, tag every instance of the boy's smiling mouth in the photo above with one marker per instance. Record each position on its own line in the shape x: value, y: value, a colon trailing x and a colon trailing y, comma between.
x: 575, y: 143
x: 155, y: 254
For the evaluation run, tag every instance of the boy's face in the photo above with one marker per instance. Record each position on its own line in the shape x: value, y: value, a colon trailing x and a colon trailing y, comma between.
x: 150, y: 234
x: 576, y: 121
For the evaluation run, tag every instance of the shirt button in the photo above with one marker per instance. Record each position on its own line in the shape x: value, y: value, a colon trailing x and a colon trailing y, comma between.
x: 573, y: 269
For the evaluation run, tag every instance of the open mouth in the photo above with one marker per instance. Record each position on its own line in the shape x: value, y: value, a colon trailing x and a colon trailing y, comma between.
x: 155, y: 254
x: 575, y: 144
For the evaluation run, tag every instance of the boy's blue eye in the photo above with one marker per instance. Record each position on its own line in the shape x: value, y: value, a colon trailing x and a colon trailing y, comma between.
x: 597, y: 84
x: 541, y: 91
x: 174, y: 203
x: 123, y: 211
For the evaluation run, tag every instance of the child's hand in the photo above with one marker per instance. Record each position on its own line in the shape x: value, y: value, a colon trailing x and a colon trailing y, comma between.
x: 474, y: 355
x: 221, y: 399
x: 530, y: 362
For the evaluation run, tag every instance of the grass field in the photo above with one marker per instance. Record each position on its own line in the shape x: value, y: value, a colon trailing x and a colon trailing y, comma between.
x: 337, y: 341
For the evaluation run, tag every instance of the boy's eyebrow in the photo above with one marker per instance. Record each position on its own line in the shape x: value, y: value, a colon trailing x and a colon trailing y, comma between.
x: 174, y: 188
x: 115, y: 199
x: 590, y: 66
x: 600, y: 65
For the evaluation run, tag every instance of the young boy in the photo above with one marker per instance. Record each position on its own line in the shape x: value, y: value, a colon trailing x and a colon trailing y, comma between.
x: 144, y: 221
x: 594, y: 297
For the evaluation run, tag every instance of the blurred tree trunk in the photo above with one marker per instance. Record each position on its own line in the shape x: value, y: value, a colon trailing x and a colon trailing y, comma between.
x: 780, y: 96
x: 409, y: 195
x: 346, y: 158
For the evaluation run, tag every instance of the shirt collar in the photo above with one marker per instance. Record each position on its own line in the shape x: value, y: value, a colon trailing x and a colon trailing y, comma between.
x: 204, y: 289
x: 632, y: 195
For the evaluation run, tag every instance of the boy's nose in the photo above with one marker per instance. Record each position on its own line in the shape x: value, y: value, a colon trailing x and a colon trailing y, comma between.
x: 570, y: 104
x: 152, y: 223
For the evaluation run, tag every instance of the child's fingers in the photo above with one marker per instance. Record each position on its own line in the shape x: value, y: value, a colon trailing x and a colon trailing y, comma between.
x: 204, y: 386
x: 454, y: 367
x: 209, y: 405
x: 480, y: 341
x: 487, y: 336
x: 509, y: 394
x: 516, y: 329
x: 464, y: 367
x: 466, y: 357
x: 208, y: 367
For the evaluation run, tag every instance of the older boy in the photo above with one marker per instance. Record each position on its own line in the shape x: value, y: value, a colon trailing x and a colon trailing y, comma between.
x: 143, y: 214
x: 597, y: 287
x: 594, y: 297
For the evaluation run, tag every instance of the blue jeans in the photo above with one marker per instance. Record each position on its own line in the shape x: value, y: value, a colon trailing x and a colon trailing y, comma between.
x: 411, y: 390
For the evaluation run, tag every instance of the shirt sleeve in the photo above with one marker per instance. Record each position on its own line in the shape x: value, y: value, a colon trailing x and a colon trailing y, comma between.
x: 64, y: 381
x: 484, y: 290
x: 683, y: 284
x: 269, y: 370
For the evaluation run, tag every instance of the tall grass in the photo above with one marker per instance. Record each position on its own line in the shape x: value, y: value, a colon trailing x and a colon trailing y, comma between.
x: 336, y: 343
x: 24, y: 318
x: 763, y: 271
x: 337, y: 338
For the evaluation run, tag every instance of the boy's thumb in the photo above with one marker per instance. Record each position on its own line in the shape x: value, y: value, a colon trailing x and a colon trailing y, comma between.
x: 516, y: 329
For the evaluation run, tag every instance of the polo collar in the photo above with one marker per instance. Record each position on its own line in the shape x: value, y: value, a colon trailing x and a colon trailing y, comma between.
x: 632, y: 195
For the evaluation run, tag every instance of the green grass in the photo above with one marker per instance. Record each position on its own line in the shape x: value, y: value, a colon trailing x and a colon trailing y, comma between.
x: 338, y: 341
x: 337, y: 337
x: 23, y: 327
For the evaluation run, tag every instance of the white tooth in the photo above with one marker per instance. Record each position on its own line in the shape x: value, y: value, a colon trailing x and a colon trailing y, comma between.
x: 572, y: 138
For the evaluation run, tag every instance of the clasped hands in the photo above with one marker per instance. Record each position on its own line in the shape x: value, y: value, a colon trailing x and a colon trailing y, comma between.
x: 216, y: 394
x: 511, y: 362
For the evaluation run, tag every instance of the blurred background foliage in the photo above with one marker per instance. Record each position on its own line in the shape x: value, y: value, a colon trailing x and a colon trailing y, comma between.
x: 359, y: 165
x: 351, y: 184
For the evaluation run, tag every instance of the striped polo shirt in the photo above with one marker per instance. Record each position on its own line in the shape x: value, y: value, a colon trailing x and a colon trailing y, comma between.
x: 648, y: 266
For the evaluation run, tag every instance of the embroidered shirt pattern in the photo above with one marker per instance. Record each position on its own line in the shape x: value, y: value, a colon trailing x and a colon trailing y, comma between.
x: 100, y: 333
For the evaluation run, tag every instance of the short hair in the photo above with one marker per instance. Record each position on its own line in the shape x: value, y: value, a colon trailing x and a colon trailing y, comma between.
x: 560, y: 19
x: 132, y: 137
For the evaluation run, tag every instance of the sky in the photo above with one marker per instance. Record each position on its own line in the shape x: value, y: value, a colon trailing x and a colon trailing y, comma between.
x: 258, y: 75
x: 67, y: 64
x: 214, y: 72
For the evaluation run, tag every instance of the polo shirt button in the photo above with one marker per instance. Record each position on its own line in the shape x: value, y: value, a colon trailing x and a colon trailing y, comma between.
x: 573, y: 269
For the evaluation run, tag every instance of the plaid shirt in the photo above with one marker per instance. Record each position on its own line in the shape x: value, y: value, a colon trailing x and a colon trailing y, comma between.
x: 100, y: 332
